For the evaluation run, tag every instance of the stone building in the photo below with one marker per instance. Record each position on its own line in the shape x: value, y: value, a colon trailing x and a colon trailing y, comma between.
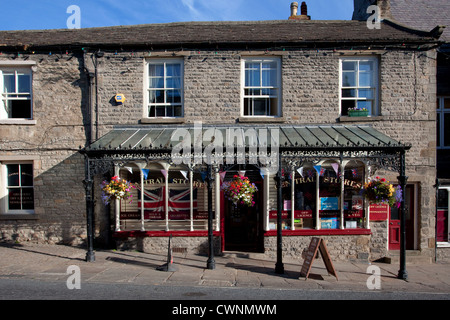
x: 425, y: 15
x: 179, y: 109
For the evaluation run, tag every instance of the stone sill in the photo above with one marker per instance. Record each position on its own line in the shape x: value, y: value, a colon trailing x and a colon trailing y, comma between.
x: 359, y: 119
x: 261, y: 119
x: 19, y: 216
x: 18, y: 122
x: 162, y: 120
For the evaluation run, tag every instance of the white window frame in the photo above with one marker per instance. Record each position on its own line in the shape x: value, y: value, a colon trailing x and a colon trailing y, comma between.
x: 440, y: 112
x: 4, y: 97
x: 376, y: 82
x: 147, y: 89
x: 4, y: 189
x: 277, y: 87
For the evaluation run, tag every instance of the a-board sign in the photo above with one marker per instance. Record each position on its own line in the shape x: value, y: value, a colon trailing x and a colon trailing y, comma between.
x: 310, y: 255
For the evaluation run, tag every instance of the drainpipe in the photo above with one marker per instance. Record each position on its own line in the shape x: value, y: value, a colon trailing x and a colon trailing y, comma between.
x: 402, y: 178
x: 91, y: 106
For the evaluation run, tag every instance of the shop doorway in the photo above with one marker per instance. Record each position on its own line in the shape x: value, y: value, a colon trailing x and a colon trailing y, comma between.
x: 394, y: 222
x: 243, y: 226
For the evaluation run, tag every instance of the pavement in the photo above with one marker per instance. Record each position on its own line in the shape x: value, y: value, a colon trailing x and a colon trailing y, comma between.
x: 239, y: 270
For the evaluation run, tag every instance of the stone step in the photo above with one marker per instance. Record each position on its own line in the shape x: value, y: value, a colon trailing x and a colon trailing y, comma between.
x: 412, y: 257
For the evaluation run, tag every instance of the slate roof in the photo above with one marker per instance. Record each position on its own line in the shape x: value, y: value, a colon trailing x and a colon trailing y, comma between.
x: 216, y: 33
x: 423, y: 14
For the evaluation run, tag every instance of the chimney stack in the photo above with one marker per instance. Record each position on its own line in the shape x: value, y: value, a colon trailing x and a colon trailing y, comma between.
x: 303, y: 11
x: 294, y: 8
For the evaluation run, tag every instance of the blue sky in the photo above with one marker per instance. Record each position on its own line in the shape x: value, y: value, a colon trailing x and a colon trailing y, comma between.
x: 52, y: 14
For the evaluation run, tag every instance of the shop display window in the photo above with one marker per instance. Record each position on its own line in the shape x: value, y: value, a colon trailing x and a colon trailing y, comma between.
x: 326, y: 195
x: 164, y: 210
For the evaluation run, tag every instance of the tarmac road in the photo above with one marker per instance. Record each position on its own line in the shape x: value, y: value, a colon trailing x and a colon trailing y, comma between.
x: 29, y: 289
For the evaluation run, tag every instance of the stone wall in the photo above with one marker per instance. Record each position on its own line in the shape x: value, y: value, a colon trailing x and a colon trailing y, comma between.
x: 51, y: 143
x: 340, y: 247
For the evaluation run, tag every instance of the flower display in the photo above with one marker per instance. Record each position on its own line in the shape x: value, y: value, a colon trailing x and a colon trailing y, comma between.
x: 357, y: 109
x: 240, y: 191
x: 380, y: 191
x: 117, y: 188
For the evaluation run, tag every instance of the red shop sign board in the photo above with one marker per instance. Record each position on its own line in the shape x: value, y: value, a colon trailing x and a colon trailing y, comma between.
x: 298, y: 214
x: 379, y: 212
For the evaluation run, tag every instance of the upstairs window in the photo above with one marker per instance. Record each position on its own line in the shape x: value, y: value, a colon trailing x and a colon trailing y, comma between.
x: 261, y: 87
x: 359, y: 84
x: 16, y: 93
x: 165, y: 88
x: 443, y: 122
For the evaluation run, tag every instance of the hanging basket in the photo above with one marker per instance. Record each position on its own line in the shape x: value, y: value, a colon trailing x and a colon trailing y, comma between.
x: 380, y: 191
x: 240, y: 191
x: 117, y: 188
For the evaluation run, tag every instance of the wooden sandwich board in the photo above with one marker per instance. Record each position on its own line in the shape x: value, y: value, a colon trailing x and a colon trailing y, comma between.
x: 310, y: 255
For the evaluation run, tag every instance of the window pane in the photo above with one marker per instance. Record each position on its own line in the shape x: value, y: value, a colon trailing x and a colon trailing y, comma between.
x: 348, y: 65
x: 14, y: 199
x: 26, y: 174
x: 173, y: 83
x: 348, y: 79
x: 367, y: 104
x: 13, y: 175
x: 27, y: 198
x: 156, y: 70
x: 177, y: 111
x: 438, y: 129
x: 345, y: 105
x: 152, y: 111
x: 247, y: 106
x: 269, y: 74
x: 161, y: 111
x: 273, y: 107
x: 9, y: 83
x: 446, y: 129
x: 366, y: 93
x: 349, y: 93
x: 259, y: 107
x: 442, y: 199
x: 169, y: 111
x: 366, y: 66
x: 19, y: 109
x: 365, y: 79
x: 173, y: 96
x: 173, y: 70
x: 24, y: 83
x: 447, y: 103
x: 156, y: 96
x: 156, y: 83
x: 252, y: 78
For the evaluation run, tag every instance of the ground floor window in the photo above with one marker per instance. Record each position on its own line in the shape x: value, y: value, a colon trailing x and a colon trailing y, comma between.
x: 164, y: 198
x: 442, y: 230
x: 326, y: 195
x: 18, y: 187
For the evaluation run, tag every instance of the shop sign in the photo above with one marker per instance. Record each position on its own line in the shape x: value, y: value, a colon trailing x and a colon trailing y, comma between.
x: 379, y: 212
x: 157, y: 215
x: 298, y: 214
x: 329, y: 203
x: 353, y: 214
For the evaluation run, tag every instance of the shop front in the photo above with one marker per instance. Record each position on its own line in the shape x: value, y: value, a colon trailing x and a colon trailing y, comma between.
x: 307, y: 181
